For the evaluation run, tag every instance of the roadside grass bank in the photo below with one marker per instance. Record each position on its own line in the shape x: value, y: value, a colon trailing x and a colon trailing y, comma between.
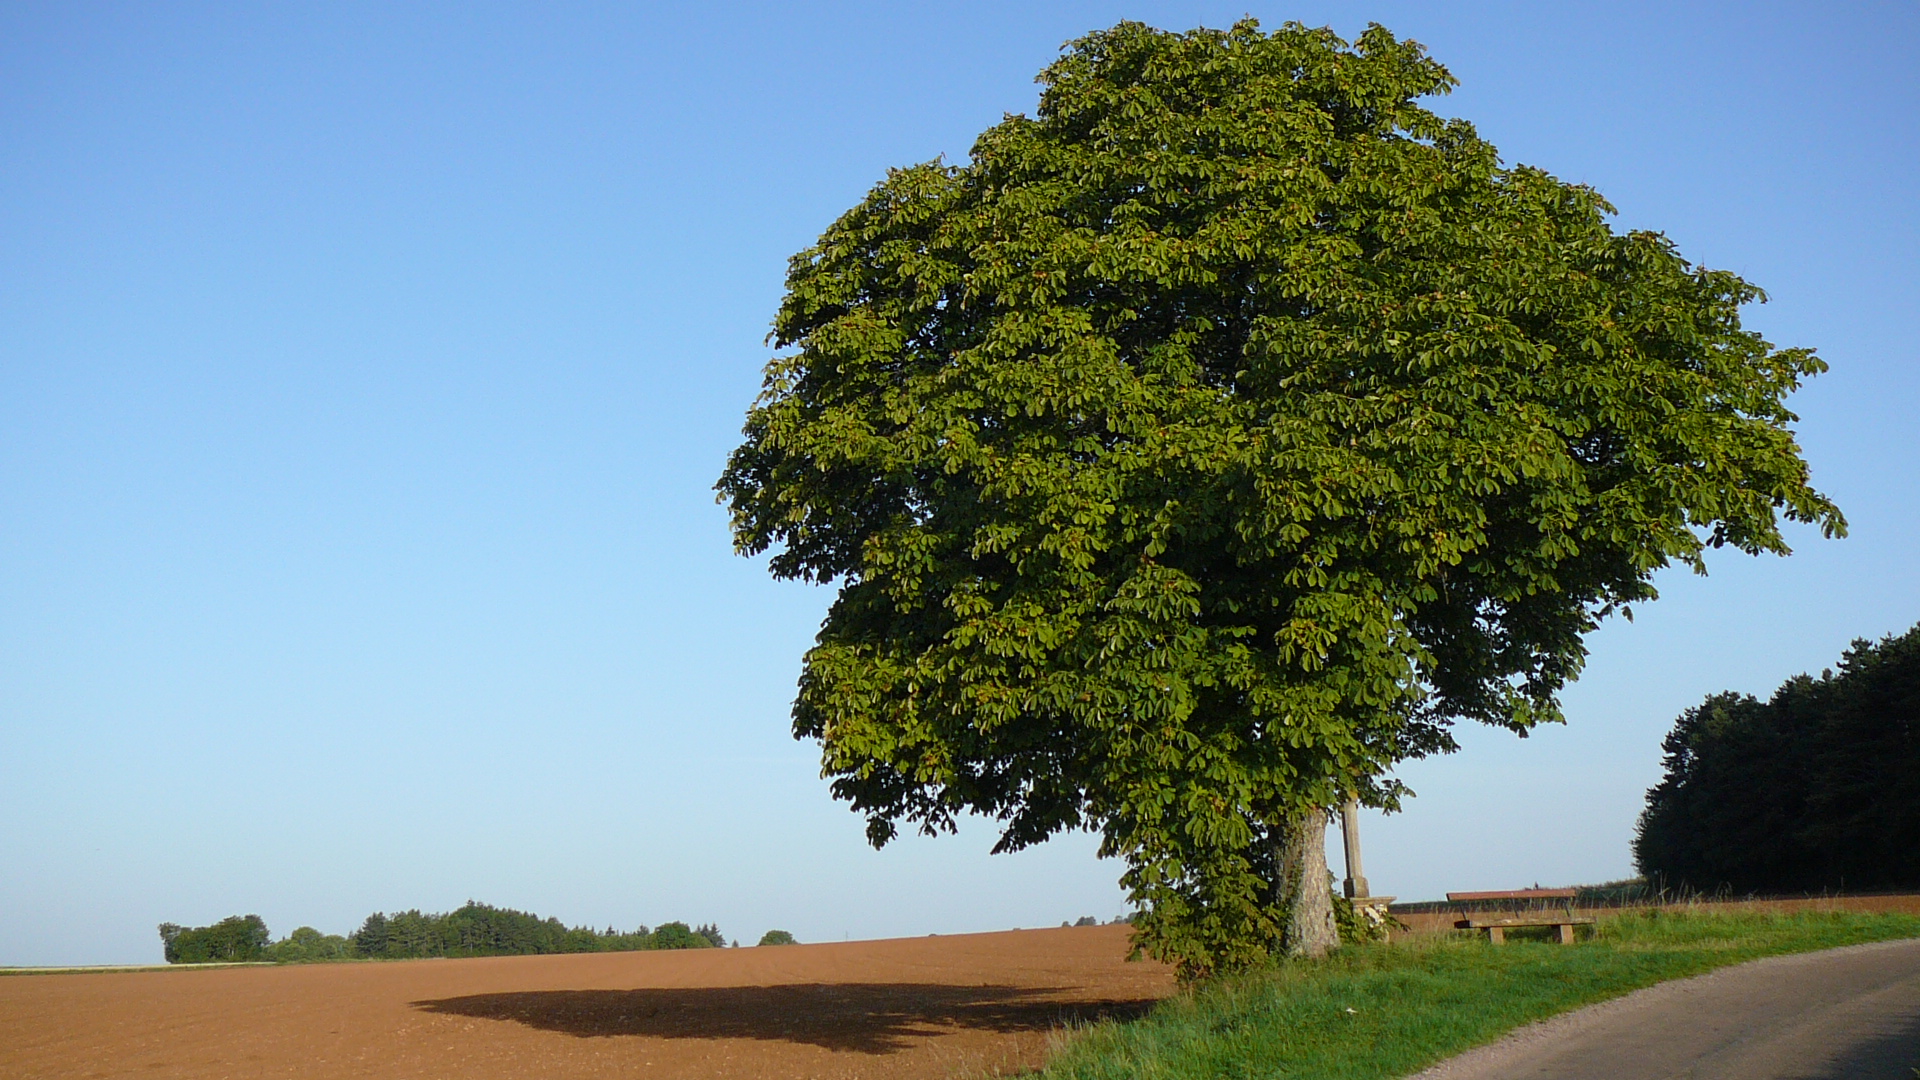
x: 1382, y: 1011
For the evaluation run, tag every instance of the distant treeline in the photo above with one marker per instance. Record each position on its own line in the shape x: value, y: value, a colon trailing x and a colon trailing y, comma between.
x: 471, y: 930
x: 483, y: 930
x: 236, y: 938
x: 1817, y: 788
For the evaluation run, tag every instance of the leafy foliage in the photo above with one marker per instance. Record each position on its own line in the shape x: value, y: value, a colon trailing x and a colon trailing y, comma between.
x: 306, y: 946
x: 1817, y: 788
x: 1360, y: 924
x: 1214, y: 439
x: 778, y: 937
x: 234, y: 938
x: 677, y: 935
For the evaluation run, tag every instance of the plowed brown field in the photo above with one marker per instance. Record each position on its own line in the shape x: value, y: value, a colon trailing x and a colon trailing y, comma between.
x: 913, y: 1007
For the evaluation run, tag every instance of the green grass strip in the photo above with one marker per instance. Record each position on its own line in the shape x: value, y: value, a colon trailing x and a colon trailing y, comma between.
x: 1377, y: 1012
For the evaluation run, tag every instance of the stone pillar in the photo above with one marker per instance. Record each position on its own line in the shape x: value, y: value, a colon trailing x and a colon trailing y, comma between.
x: 1355, y: 886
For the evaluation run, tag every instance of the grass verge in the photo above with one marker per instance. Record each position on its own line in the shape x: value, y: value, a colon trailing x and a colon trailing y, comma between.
x: 1377, y: 1012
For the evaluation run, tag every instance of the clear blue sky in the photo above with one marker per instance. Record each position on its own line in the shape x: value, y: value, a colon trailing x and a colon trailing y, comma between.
x: 365, y: 369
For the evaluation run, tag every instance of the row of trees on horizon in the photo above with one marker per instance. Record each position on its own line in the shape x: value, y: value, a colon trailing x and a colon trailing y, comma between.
x: 1815, y: 789
x: 474, y: 929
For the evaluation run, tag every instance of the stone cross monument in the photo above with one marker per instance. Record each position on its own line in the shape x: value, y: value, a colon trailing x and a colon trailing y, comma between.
x: 1355, y: 887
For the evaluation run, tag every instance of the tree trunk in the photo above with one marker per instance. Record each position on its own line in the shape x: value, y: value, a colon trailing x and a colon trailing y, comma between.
x: 1305, y: 887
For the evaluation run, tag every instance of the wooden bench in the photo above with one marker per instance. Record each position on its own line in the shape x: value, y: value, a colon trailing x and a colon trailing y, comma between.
x: 1496, y: 924
x: 1497, y: 928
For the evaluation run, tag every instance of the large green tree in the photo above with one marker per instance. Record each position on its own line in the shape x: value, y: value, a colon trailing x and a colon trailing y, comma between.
x: 1214, y: 439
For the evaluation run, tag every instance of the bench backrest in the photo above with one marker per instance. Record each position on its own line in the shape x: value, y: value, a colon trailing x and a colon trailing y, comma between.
x: 1512, y: 894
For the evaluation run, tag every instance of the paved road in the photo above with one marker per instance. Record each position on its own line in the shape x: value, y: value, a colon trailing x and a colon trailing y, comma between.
x: 1844, y: 1014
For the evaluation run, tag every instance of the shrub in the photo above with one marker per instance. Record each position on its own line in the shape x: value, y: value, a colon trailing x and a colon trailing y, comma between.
x: 307, y: 945
x: 1360, y: 923
x: 778, y: 937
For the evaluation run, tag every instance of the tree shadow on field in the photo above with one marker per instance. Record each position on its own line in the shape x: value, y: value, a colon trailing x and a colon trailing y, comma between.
x: 868, y: 1018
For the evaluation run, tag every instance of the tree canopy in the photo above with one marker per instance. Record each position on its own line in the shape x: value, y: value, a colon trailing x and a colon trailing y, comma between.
x: 1216, y: 437
x: 236, y: 938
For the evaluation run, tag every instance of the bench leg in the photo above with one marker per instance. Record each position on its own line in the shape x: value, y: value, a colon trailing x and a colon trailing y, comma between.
x: 1566, y: 933
x: 1497, y: 935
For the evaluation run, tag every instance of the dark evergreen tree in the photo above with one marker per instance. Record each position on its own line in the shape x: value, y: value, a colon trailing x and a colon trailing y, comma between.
x: 1816, y: 789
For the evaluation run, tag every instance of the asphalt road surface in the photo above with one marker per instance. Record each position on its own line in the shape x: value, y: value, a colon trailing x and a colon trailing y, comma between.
x: 1843, y: 1014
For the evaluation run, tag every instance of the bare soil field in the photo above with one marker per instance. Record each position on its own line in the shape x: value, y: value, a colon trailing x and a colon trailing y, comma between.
x: 965, y: 1006
x: 961, y: 1005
